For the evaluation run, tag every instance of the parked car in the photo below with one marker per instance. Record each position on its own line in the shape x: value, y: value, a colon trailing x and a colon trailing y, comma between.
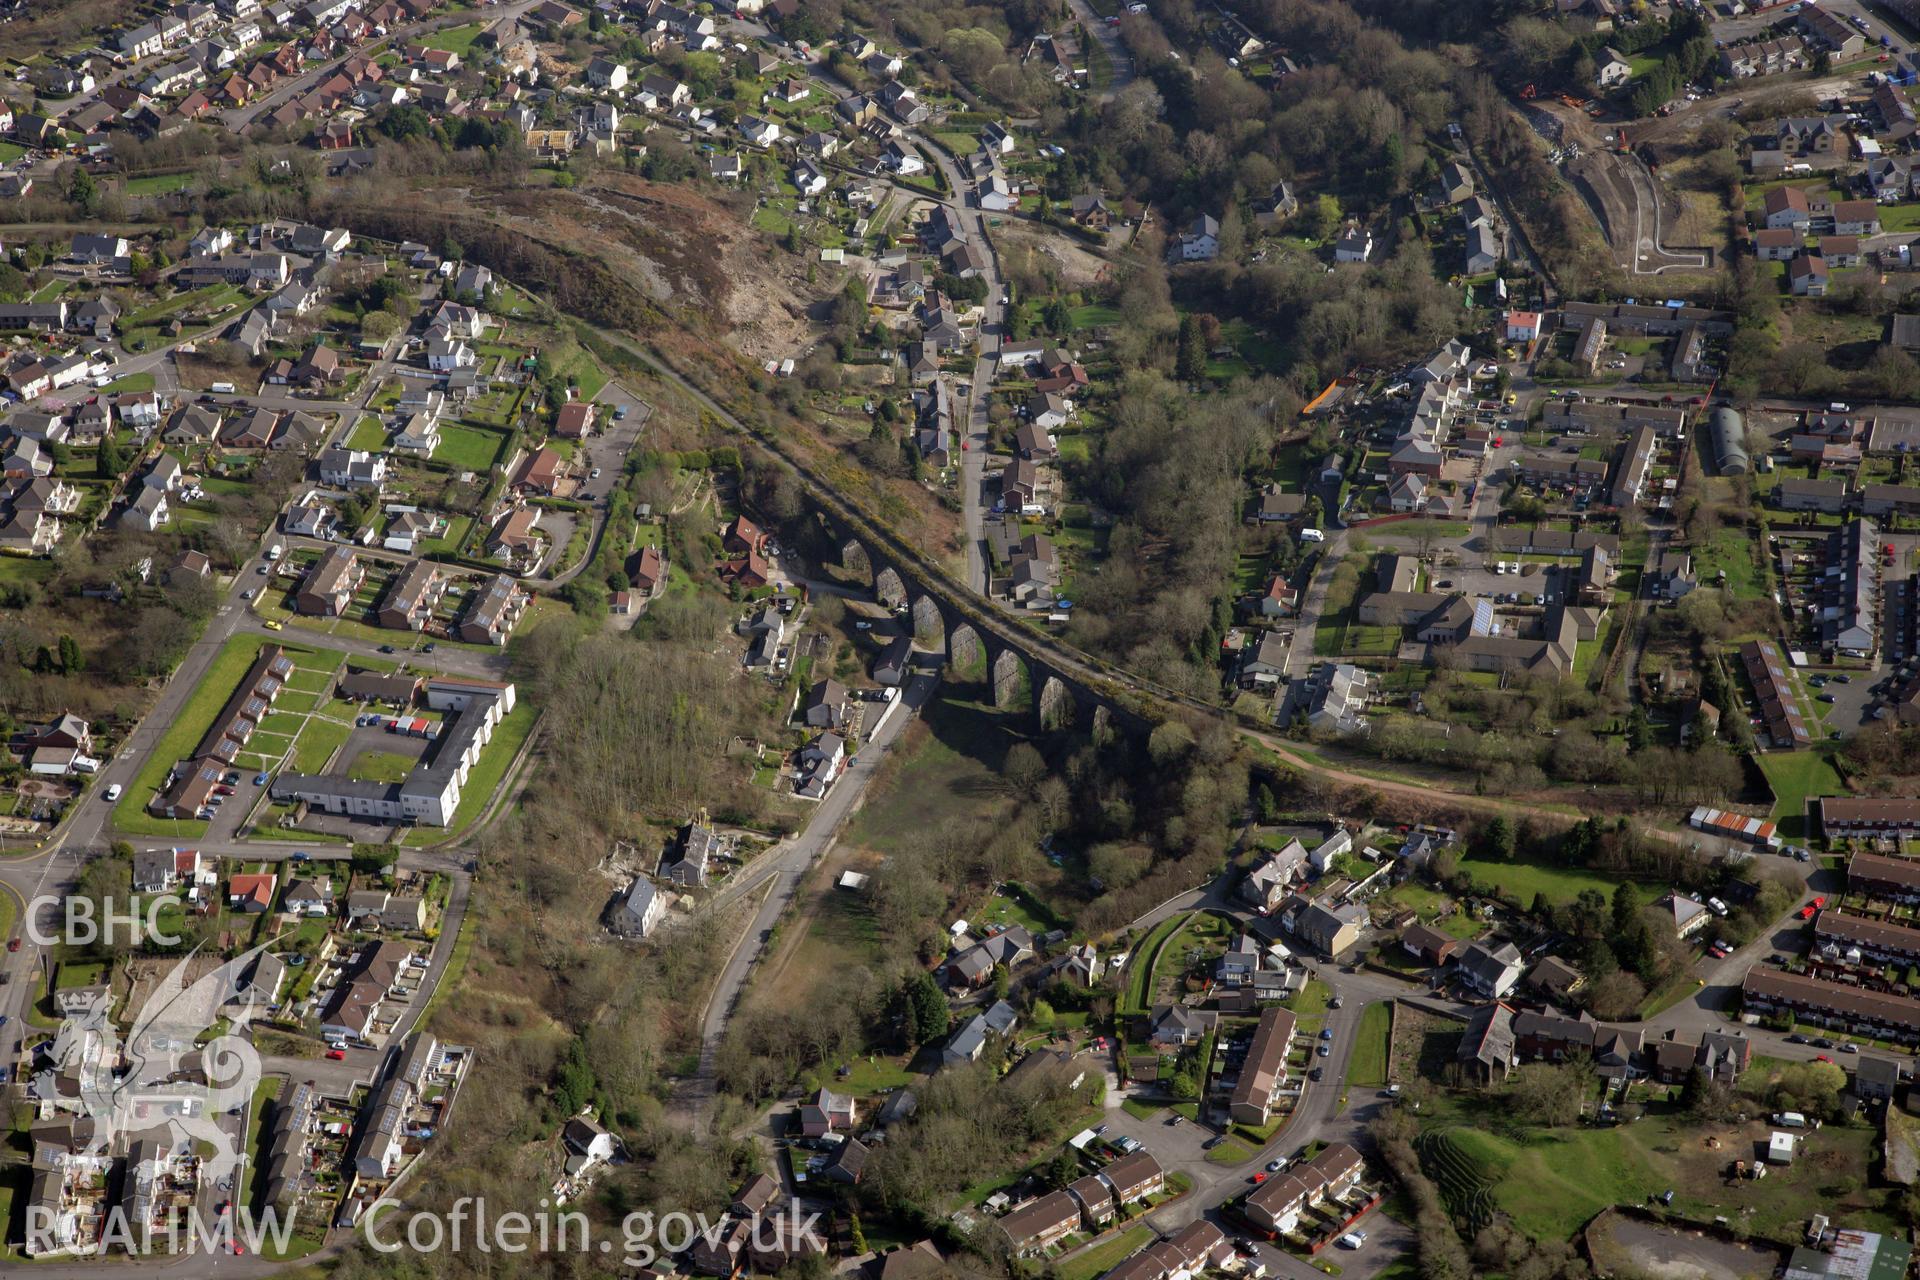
x: 337, y: 1055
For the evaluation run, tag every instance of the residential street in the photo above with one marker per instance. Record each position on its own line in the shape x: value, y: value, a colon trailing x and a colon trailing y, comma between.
x: 785, y: 866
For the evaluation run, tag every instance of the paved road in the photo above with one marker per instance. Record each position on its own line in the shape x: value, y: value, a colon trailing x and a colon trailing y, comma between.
x: 785, y: 867
x: 985, y: 369
x: 1109, y: 40
x: 237, y: 119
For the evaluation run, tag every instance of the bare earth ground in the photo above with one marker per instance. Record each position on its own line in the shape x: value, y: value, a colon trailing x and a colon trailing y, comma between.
x: 1078, y: 265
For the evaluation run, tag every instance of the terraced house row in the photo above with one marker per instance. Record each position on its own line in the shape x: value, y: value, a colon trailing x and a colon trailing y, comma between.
x: 1851, y: 939
x: 193, y: 780
x: 1834, y: 1004
x: 1088, y: 1203
x: 1278, y: 1204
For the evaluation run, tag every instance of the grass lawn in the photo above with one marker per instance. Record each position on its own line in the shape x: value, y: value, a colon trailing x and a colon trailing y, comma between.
x: 1525, y: 879
x: 381, y: 766
x: 369, y: 434
x: 1368, y: 1066
x: 469, y: 448
x: 158, y: 184
x: 1230, y: 1151
x: 195, y: 718
x: 132, y: 384
x: 1797, y: 776
x: 1102, y: 1258
x: 11, y: 151
x: 317, y: 743
x: 1094, y: 315
x: 455, y: 39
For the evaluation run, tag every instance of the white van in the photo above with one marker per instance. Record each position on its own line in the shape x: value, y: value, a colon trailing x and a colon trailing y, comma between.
x: 1789, y: 1119
x: 1312, y: 535
x: 113, y: 792
x: 274, y: 552
x: 222, y: 388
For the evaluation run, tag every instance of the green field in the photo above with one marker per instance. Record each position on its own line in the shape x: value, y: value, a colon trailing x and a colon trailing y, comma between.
x: 1796, y: 776
x: 469, y: 448
x: 1552, y: 1181
x: 195, y: 718
x: 1368, y: 1066
x: 1525, y: 879
x: 132, y: 384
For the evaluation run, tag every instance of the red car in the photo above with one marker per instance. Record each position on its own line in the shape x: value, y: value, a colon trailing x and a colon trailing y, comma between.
x: 1806, y: 912
x: 337, y: 1055
x: 1820, y: 900
x: 13, y: 944
x: 1821, y: 1057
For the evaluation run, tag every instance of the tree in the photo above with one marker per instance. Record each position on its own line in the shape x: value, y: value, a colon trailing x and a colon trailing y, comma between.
x: 1320, y: 217
x: 1639, y: 730
x: 927, y: 1016
x: 1190, y: 360
x: 1626, y: 908
x: 1550, y: 1095
x: 378, y: 326
x: 1616, y: 995
x: 1694, y: 1092
x: 1002, y: 982
x: 1500, y: 837
x: 70, y: 659
x: 84, y: 192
